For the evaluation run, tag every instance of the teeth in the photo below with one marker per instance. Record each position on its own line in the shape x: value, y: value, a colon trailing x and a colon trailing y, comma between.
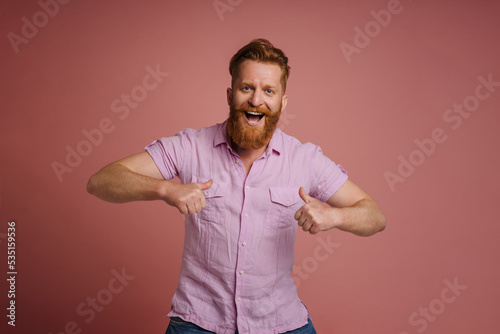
x: 254, y: 113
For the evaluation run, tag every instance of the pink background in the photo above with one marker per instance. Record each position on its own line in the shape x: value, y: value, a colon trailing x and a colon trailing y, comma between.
x: 442, y: 220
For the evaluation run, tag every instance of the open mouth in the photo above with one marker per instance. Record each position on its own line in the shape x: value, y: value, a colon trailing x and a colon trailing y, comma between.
x: 254, y: 117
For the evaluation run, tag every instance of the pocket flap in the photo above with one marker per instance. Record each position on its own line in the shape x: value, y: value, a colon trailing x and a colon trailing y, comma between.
x: 214, y: 191
x: 286, y: 196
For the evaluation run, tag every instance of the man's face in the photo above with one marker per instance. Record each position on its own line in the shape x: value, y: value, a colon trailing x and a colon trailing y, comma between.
x: 255, y: 102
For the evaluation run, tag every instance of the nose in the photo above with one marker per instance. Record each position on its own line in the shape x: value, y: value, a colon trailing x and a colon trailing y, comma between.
x: 255, y: 99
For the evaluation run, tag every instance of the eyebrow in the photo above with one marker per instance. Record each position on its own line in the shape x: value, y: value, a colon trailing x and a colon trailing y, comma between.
x: 248, y: 83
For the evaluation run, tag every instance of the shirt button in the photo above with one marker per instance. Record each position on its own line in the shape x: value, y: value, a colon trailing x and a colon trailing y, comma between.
x: 232, y: 321
x: 244, y: 243
x: 287, y: 202
x: 206, y: 193
x: 238, y: 299
x: 241, y: 272
x: 246, y: 214
x: 247, y: 187
x: 237, y: 161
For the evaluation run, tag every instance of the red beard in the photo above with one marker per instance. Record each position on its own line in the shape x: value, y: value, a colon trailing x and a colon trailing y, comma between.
x: 246, y: 136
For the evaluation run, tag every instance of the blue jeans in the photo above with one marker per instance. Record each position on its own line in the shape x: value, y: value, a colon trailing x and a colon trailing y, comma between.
x: 179, y: 326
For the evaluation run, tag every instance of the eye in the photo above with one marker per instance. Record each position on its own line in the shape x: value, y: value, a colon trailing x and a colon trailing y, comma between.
x: 269, y: 91
x: 246, y: 88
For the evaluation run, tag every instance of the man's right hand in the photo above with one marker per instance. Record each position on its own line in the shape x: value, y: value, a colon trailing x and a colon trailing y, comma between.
x: 187, y: 198
x: 137, y: 178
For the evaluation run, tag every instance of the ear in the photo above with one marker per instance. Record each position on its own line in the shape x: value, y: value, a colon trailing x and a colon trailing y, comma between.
x: 229, y: 95
x: 284, y: 100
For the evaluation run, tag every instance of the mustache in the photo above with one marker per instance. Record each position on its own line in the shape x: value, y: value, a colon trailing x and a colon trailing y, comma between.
x: 246, y: 108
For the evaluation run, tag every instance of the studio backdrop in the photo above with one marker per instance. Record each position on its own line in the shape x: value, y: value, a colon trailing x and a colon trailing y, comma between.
x: 404, y: 94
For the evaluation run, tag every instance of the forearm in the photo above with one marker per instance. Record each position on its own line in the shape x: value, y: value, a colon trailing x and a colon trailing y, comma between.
x: 118, y: 184
x: 364, y: 218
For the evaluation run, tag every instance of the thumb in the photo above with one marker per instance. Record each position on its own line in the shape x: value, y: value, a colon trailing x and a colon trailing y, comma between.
x: 206, y: 185
x: 305, y: 197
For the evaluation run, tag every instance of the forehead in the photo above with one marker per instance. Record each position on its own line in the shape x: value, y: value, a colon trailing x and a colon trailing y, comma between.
x: 257, y: 72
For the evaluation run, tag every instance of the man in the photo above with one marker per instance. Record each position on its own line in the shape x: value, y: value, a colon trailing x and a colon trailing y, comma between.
x: 245, y: 187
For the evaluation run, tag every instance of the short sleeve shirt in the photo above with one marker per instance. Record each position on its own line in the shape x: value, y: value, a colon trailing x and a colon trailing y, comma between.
x: 239, y: 250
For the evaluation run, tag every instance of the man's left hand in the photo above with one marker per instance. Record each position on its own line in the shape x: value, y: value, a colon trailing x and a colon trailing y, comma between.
x: 314, y: 216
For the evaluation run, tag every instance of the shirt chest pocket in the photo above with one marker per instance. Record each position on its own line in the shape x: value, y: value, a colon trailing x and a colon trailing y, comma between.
x: 214, y: 210
x: 285, y: 201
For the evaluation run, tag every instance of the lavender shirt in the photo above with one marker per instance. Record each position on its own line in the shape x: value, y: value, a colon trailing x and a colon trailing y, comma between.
x: 239, y: 250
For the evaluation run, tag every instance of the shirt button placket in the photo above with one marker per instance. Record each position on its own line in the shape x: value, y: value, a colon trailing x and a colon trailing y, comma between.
x: 241, y: 272
x: 241, y: 255
x: 240, y: 168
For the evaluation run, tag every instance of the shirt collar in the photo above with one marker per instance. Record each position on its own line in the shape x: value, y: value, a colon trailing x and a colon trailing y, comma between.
x: 220, y: 135
x: 275, y: 144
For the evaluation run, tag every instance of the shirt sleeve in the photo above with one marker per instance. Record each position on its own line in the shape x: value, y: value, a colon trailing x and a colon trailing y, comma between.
x: 326, y: 176
x: 169, y: 154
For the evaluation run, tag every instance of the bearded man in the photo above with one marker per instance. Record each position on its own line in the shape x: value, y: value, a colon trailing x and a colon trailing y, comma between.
x: 245, y: 188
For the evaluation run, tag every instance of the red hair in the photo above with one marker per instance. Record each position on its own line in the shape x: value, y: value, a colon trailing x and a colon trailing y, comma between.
x: 260, y: 50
